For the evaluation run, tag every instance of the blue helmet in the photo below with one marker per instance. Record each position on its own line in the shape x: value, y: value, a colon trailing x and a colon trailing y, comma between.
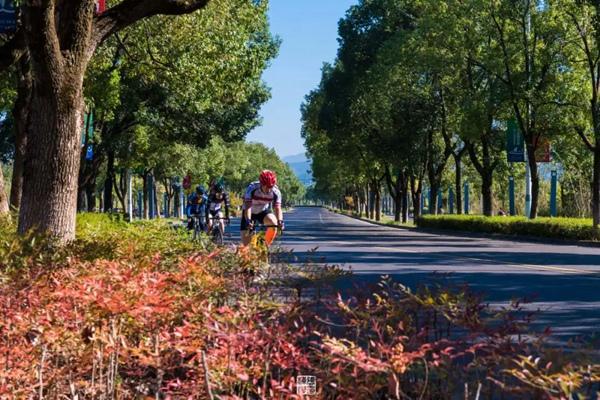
x: 219, y: 187
x: 200, y: 189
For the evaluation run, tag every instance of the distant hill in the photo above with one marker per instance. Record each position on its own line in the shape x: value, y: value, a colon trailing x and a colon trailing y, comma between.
x: 301, y: 167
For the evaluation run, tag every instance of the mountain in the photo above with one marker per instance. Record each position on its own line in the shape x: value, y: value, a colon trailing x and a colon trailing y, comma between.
x: 301, y: 167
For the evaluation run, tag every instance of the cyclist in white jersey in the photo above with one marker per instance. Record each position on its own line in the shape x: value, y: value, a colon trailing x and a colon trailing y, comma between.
x: 262, y: 204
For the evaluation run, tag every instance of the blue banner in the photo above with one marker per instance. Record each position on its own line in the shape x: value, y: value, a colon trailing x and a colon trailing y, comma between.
x: 89, y: 154
x: 515, y: 143
x: 8, y: 16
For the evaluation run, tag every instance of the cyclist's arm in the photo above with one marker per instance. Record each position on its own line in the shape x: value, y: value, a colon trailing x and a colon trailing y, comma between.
x: 277, y: 205
x: 207, y: 209
x: 278, y: 212
x: 247, y: 211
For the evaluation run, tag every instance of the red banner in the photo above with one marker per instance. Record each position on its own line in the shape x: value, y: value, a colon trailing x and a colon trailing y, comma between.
x: 100, y: 6
x: 187, y: 182
x: 543, y: 152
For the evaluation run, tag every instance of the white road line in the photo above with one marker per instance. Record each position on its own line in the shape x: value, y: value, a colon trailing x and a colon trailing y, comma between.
x: 490, y: 242
x: 507, y: 263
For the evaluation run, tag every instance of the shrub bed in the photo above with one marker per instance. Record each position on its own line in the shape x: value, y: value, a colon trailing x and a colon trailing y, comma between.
x: 557, y: 228
x: 133, y: 311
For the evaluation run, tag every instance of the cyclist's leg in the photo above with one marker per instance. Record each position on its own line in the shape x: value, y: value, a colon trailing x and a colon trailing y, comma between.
x: 221, y: 222
x: 270, y: 220
x: 210, y: 221
x: 246, y: 235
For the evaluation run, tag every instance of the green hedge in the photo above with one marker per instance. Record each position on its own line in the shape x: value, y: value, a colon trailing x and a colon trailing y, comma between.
x: 558, y: 228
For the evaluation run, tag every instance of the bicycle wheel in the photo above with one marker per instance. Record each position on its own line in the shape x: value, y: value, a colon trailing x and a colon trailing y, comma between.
x: 197, y: 229
x: 217, y: 235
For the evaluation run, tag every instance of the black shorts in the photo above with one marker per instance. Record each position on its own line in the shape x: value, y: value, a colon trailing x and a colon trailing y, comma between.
x: 213, y: 213
x: 260, y: 217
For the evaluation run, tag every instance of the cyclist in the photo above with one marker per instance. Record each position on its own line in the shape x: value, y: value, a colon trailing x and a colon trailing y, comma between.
x: 196, y: 206
x: 217, y: 199
x: 258, y: 199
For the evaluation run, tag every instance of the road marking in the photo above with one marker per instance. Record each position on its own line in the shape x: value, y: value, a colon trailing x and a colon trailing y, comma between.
x: 507, y: 263
x: 399, y: 234
x: 534, y: 266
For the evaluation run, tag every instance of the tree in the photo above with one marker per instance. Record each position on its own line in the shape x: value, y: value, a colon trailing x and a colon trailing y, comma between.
x: 529, y: 40
x: 3, y: 198
x: 60, y: 46
x: 584, y: 18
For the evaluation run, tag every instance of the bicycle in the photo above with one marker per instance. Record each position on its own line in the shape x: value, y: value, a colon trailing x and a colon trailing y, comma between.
x: 216, y: 234
x: 265, y: 238
x: 198, y: 225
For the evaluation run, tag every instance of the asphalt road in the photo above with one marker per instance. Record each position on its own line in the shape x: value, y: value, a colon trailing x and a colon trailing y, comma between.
x: 563, y: 280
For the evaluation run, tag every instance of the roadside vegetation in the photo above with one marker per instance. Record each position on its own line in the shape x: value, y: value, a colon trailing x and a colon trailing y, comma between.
x: 139, y: 310
x: 555, y: 228
x: 424, y: 95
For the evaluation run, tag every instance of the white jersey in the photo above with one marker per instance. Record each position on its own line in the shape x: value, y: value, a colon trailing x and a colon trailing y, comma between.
x: 260, y: 201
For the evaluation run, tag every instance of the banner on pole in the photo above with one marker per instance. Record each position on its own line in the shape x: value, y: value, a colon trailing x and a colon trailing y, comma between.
x: 87, y: 133
x: 543, y: 151
x: 8, y: 16
x: 515, y: 143
x: 89, y: 153
x: 100, y: 6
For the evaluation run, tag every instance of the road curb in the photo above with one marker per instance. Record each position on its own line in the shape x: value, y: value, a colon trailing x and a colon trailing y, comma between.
x: 479, y: 235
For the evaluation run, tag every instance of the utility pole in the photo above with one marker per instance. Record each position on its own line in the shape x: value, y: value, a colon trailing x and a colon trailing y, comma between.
x: 129, y: 195
x: 528, y: 121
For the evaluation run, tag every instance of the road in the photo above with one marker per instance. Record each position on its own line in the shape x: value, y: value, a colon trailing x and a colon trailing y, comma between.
x: 563, y: 279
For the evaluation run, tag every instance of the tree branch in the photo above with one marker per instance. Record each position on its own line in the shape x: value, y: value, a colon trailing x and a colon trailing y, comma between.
x: 42, y: 41
x: 585, y: 139
x: 130, y: 11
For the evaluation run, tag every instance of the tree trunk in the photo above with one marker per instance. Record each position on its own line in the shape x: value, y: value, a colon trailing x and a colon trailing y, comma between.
x: 433, y: 197
x: 458, y: 182
x: 145, y: 196
x: 51, y: 165
x: 487, y: 180
x: 485, y: 168
x: 90, y: 194
x: 155, y: 207
x: 109, y: 182
x: 398, y: 206
x: 169, y: 191
x: 377, y: 202
x: 3, y: 198
x: 596, y: 187
x: 416, y: 189
x: 405, y: 206
x: 416, y: 196
x: 535, y: 182
x: 20, y: 113
x: 369, y: 211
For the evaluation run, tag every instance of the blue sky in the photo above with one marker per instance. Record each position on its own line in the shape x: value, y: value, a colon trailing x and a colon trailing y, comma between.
x: 308, y: 29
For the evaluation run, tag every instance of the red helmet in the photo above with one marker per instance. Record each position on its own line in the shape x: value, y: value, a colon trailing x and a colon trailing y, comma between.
x: 268, y: 178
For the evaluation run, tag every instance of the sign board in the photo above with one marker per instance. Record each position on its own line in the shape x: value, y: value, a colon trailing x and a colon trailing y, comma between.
x: 88, y: 127
x: 89, y: 154
x: 515, y: 143
x: 187, y: 182
x: 8, y: 16
x: 543, y: 152
x: 100, y: 6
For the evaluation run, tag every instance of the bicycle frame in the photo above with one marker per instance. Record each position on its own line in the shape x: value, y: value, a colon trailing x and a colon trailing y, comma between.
x: 215, y: 231
x: 198, y: 228
x: 269, y: 235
